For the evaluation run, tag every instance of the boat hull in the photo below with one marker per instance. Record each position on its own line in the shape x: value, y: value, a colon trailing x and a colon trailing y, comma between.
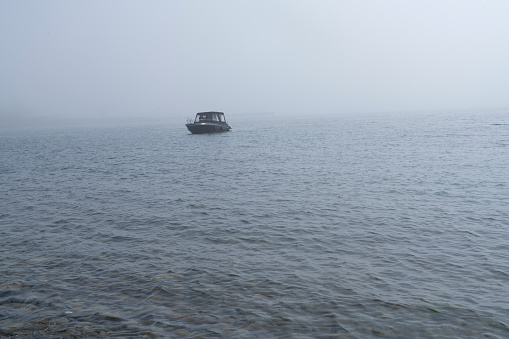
x: 203, y: 128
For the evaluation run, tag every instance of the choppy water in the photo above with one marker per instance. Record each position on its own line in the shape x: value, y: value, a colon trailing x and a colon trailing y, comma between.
x: 333, y: 228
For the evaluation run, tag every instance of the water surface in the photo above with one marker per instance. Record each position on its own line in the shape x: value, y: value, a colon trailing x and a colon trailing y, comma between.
x: 390, y: 227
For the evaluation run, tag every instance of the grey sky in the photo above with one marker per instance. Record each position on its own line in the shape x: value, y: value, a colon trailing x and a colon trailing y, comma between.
x: 173, y: 58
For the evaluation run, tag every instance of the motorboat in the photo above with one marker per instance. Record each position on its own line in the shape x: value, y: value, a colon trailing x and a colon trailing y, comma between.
x: 208, y: 122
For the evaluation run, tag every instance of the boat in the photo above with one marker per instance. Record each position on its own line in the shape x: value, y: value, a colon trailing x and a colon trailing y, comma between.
x: 208, y: 122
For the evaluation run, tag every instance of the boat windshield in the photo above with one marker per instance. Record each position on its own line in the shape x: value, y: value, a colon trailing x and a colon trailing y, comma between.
x: 201, y: 117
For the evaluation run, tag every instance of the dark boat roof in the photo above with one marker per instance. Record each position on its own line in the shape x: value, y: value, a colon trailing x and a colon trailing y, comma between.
x: 210, y: 112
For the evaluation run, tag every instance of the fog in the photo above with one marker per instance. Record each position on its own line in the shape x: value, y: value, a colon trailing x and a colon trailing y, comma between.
x: 69, y: 61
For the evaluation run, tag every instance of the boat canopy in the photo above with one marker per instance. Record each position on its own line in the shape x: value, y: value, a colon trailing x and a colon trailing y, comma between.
x: 209, y: 116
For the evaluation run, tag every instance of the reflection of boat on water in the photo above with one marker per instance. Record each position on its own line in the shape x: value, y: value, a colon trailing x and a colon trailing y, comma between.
x: 208, y: 122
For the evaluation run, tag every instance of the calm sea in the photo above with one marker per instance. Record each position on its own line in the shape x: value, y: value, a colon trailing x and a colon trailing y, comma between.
x: 344, y: 227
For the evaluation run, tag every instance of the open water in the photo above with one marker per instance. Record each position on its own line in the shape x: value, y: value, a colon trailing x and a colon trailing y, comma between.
x: 392, y: 227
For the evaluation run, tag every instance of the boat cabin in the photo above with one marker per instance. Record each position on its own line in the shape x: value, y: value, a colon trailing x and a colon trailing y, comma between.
x: 209, y: 116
